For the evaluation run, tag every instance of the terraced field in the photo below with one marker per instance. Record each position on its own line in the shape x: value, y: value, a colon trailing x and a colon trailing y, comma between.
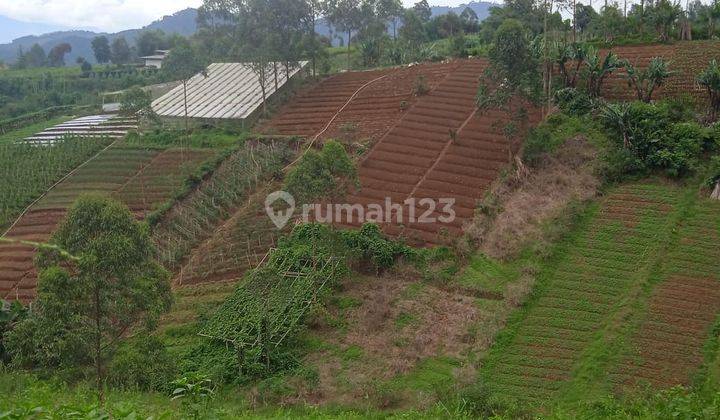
x: 667, y: 347
x: 156, y: 182
x: 118, y: 171
x: 583, y: 294
x: 687, y: 59
x: 311, y: 111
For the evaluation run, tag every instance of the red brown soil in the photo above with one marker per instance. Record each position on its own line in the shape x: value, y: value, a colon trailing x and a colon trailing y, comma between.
x: 18, y: 276
x: 687, y: 59
x: 668, y: 347
x: 418, y: 157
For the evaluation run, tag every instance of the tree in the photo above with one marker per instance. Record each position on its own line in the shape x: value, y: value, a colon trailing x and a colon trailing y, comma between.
x: 423, y: 10
x: 469, y: 19
x: 413, y: 30
x: 56, y: 56
x: 513, y: 67
x: 150, y: 41
x: 663, y: 16
x: 710, y: 80
x: 36, y: 57
x: 101, y: 49
x: 91, y: 296
x: 391, y: 11
x: 120, y: 51
x: 645, y: 81
x: 345, y: 16
x: 84, y: 65
x: 182, y: 64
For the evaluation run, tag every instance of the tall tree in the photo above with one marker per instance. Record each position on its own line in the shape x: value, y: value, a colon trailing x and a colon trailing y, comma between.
x: 150, y: 41
x: 120, y: 51
x: 56, y: 56
x: 103, y: 285
x: 346, y: 16
x: 101, y: 49
x: 391, y: 11
x: 35, y: 57
x: 423, y: 10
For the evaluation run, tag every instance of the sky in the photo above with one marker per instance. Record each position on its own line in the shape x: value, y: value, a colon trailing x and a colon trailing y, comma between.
x: 103, y: 15
x: 111, y: 15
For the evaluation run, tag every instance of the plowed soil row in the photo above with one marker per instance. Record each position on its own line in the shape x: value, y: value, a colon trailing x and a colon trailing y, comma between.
x: 430, y: 154
x: 113, y: 172
x: 308, y: 113
x: 584, y: 290
x: 381, y: 104
x: 667, y: 348
x: 687, y: 59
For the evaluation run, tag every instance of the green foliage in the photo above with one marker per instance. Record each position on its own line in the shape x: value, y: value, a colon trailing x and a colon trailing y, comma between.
x: 27, y: 171
x: 710, y: 80
x: 88, y: 304
x: 136, y: 102
x: 216, y: 138
x: 645, y: 81
x: 143, y: 363
x: 368, y: 245
x: 555, y: 130
x: 321, y: 173
x: 597, y: 69
x: 657, y: 136
x: 10, y: 314
x: 195, y: 392
x: 574, y: 102
x: 513, y: 69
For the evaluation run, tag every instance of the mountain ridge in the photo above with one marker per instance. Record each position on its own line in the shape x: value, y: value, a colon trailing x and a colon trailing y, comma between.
x: 182, y: 22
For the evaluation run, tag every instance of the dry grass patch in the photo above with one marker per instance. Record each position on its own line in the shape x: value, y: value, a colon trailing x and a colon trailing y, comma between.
x: 520, y: 205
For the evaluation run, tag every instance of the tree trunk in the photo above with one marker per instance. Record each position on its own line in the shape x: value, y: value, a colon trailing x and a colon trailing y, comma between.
x: 187, y: 120
x: 716, y: 192
x: 348, y: 49
x: 275, y: 75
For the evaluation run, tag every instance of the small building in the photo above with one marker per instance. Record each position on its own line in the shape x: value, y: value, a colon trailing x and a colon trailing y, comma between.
x: 156, y: 59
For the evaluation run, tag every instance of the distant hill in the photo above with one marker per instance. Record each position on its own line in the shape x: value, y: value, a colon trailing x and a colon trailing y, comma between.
x: 183, y: 23
x: 12, y: 29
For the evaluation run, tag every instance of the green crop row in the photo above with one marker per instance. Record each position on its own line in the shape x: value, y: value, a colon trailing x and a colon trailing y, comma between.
x: 28, y: 171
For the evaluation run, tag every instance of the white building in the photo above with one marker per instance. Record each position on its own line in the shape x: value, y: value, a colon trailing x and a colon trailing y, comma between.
x: 156, y: 59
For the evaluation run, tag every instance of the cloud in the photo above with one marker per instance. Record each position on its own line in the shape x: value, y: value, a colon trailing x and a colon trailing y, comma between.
x: 106, y: 15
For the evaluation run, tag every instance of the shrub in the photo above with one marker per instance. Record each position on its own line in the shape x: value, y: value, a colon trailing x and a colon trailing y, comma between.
x: 573, y: 102
x: 317, y: 173
x: 144, y: 363
x: 710, y: 80
x: 657, y: 137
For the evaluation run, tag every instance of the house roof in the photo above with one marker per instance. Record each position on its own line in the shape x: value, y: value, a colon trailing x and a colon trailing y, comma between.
x: 230, y: 91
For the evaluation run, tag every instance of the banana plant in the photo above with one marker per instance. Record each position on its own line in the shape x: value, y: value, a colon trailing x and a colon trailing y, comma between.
x: 597, y: 69
x: 645, y: 81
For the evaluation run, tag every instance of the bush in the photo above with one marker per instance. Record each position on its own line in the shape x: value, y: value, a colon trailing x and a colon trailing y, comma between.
x: 144, y: 363
x: 657, y: 137
x: 317, y: 173
x: 574, y: 102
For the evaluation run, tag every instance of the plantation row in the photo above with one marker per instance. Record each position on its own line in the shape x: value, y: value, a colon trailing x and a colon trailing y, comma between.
x: 194, y: 217
x: 28, y: 171
x: 141, y: 177
x: 630, y: 301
